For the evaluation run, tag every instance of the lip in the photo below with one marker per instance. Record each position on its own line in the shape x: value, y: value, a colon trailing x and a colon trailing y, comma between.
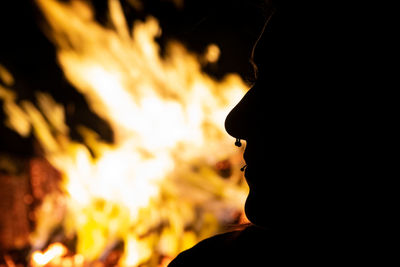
x: 249, y: 163
x: 248, y: 174
x: 247, y: 171
x: 252, y: 164
x: 246, y: 156
x: 250, y: 154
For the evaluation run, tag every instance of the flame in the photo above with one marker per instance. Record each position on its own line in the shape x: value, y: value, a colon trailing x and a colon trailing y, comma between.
x: 212, y: 54
x: 56, y: 255
x: 53, y: 251
x: 167, y: 117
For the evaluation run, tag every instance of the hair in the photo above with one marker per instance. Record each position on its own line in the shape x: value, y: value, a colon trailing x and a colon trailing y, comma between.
x: 251, y: 60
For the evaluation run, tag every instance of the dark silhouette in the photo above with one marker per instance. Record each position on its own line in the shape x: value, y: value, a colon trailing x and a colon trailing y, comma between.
x: 308, y: 150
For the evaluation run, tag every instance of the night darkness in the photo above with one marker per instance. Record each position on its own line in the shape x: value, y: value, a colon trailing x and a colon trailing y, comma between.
x: 31, y: 57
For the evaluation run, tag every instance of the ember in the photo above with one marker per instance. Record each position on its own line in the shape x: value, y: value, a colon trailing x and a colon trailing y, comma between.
x: 171, y: 176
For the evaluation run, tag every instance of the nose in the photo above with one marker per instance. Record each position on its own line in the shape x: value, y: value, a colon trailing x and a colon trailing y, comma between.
x: 238, y: 121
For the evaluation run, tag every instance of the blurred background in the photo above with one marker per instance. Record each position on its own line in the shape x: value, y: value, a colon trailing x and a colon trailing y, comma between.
x: 112, y: 147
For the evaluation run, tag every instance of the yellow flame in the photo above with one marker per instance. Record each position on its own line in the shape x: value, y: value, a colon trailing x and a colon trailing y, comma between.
x: 53, y: 251
x: 212, y: 54
x: 167, y: 117
x: 5, y: 76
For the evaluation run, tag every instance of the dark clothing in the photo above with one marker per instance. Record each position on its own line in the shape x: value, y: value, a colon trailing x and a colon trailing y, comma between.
x: 256, y: 246
x: 230, y: 249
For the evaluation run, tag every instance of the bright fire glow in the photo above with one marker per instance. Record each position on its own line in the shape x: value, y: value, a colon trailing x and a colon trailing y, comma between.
x: 53, y: 251
x: 157, y: 178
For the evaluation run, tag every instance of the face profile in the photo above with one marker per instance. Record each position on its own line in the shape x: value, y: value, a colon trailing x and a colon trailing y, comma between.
x: 308, y: 153
x: 245, y: 122
x: 280, y: 121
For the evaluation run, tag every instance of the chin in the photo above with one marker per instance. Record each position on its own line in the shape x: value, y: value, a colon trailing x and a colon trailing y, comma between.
x: 256, y: 211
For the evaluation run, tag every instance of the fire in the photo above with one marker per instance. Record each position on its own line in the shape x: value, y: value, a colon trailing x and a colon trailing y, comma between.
x: 52, y: 252
x: 56, y: 255
x: 154, y: 188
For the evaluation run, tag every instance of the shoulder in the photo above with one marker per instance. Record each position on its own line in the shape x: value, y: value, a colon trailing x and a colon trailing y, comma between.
x: 206, y: 251
x: 237, y: 248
